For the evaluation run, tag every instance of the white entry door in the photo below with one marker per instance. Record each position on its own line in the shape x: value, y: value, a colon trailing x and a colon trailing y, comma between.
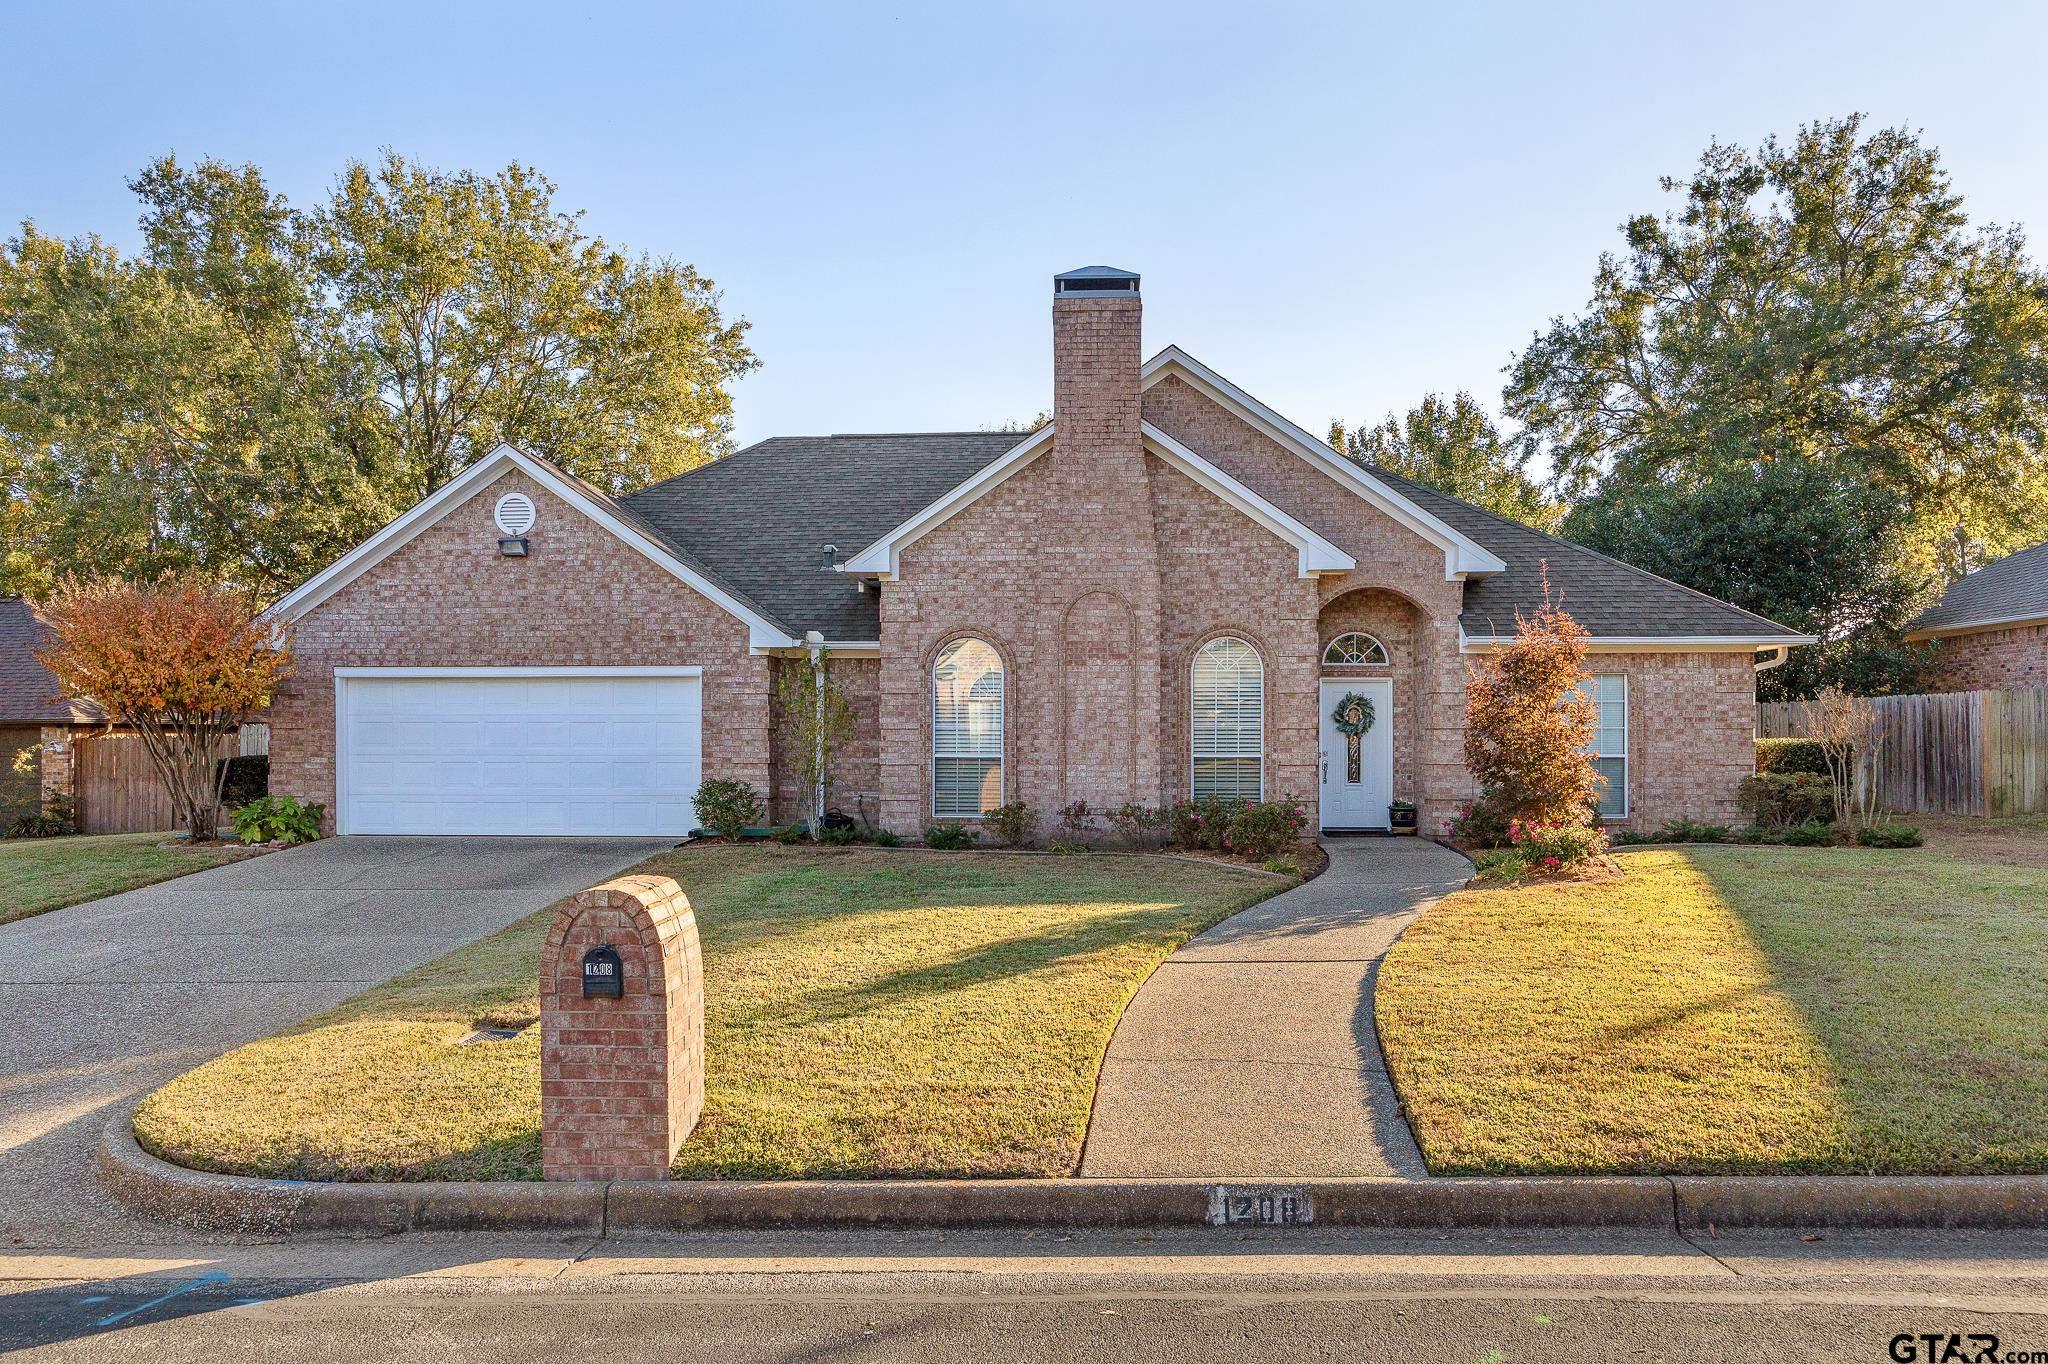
x: 585, y: 751
x: 1358, y: 780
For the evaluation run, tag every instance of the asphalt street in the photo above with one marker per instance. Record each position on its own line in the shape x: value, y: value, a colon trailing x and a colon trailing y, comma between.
x: 1310, y: 1294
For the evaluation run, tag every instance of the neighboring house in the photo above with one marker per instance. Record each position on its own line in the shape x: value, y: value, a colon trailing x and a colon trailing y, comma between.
x: 1990, y: 629
x: 1163, y: 593
x: 34, y: 715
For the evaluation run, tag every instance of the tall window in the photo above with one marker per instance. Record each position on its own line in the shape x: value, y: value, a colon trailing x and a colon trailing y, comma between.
x: 1354, y: 649
x: 967, y: 729
x: 1227, y: 714
x: 1609, y: 693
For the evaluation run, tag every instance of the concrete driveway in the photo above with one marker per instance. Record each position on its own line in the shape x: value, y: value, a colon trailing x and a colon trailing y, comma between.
x: 1251, y: 1052
x: 102, y: 1002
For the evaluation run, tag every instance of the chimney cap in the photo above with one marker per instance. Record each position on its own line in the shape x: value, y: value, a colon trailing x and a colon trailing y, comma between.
x: 1096, y: 279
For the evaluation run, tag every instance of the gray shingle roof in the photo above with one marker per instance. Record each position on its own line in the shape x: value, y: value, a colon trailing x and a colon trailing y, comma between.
x: 2013, y: 588
x: 28, y: 694
x: 757, y: 523
x: 1607, y: 596
x: 760, y: 518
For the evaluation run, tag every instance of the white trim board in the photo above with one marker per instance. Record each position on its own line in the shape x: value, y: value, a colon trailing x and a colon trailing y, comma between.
x: 1986, y: 625
x: 1313, y: 554
x: 1648, y: 644
x: 570, y: 670
x: 762, y: 633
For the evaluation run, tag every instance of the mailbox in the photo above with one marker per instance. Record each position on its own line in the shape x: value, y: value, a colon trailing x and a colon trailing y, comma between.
x: 602, y: 976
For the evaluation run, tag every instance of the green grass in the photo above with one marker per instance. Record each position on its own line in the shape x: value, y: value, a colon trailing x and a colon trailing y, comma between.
x: 1730, y: 1010
x: 41, y: 874
x: 866, y: 1014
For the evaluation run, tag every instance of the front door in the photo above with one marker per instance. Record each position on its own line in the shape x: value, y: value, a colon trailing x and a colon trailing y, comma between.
x: 1358, y: 770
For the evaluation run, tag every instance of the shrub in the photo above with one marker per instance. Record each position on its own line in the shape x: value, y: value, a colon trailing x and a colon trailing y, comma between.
x: 57, y: 818
x: 1282, y: 866
x: 885, y: 839
x: 1015, y: 823
x: 1135, y: 823
x: 1555, y: 844
x: 1066, y: 845
x: 1779, y: 800
x: 1758, y: 833
x: 1481, y: 823
x: 1889, y: 834
x: 727, y: 807
x: 246, y: 779
x: 1527, y: 722
x: 1257, y: 831
x: 1791, y: 755
x: 1688, y: 831
x: 1501, y: 864
x: 1628, y: 838
x: 278, y: 819
x: 839, y: 836
x: 1814, y: 833
x: 1077, y: 821
x: 950, y: 837
x: 1200, y: 823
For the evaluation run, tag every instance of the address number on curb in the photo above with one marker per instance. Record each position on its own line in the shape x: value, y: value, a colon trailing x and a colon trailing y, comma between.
x: 1260, y: 1205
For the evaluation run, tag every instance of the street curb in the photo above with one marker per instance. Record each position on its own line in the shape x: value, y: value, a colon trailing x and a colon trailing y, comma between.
x: 240, y: 1205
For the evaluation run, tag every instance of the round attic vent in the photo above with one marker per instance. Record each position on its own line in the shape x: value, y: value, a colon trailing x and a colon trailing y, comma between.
x: 515, y: 513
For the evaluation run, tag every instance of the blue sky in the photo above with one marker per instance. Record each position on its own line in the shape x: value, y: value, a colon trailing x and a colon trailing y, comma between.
x: 1341, y: 207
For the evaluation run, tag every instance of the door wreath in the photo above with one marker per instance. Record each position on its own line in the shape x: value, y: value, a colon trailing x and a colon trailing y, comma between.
x: 1353, y: 715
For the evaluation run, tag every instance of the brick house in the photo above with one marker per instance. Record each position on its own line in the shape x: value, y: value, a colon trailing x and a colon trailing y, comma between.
x: 34, y: 716
x: 1990, y: 629
x: 1162, y: 593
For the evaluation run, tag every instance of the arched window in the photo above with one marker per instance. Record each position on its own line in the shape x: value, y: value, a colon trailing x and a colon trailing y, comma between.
x: 1354, y: 649
x: 967, y: 730
x: 1227, y: 716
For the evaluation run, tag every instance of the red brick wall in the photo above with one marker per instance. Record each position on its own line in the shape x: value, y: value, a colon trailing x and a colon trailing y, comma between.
x: 449, y: 599
x: 1691, y: 733
x: 1993, y: 659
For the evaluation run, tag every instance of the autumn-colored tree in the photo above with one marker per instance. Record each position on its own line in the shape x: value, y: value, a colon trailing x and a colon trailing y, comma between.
x: 1528, y: 724
x: 182, y: 663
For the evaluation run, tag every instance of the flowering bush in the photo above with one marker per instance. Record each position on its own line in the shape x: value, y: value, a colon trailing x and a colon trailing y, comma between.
x: 1481, y: 823
x: 1015, y: 823
x: 1553, y: 844
x: 1258, y: 831
x: 1201, y: 823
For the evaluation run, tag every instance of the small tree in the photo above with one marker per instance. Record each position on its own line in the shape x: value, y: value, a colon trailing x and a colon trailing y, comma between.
x: 1528, y: 726
x: 814, y: 721
x: 1840, y: 724
x: 181, y: 662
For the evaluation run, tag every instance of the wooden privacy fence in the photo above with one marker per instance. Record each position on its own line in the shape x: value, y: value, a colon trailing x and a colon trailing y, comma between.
x: 1957, y: 753
x: 117, y: 791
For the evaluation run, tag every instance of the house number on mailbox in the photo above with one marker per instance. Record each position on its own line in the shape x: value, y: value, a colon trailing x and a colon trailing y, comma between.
x: 602, y: 978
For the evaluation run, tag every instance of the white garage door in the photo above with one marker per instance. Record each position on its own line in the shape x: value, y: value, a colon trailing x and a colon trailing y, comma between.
x: 556, y: 751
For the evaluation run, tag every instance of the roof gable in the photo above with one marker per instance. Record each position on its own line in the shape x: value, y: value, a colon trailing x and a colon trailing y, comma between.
x: 763, y: 631
x: 2009, y: 591
x: 28, y: 692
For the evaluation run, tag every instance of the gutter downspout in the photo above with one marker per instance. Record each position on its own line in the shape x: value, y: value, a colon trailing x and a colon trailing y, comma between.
x: 1779, y: 653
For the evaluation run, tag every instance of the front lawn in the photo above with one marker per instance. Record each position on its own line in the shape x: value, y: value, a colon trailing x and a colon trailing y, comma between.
x: 1730, y: 1010
x: 867, y: 1013
x: 41, y: 874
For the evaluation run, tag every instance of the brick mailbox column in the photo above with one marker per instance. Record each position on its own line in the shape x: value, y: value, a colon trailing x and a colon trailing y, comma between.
x: 621, y: 1079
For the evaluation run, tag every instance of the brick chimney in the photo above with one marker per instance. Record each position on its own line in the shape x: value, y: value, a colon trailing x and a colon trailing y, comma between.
x: 1096, y: 355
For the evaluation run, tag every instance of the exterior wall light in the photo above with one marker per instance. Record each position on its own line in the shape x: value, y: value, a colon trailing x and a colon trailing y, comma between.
x: 512, y: 546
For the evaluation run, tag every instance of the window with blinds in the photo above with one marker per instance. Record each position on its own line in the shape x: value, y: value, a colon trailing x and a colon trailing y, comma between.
x: 1227, y: 717
x: 1609, y: 750
x: 967, y: 730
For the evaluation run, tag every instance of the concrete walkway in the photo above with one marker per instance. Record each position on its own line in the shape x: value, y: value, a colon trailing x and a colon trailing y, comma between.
x: 1251, y: 1052
x: 102, y: 1002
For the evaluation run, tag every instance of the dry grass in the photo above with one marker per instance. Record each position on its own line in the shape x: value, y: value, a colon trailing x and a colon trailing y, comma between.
x: 868, y: 1013
x: 1731, y: 1010
x: 41, y: 874
x: 2012, y: 841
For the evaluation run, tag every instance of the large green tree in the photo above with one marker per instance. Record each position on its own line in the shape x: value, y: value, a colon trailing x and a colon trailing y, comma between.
x: 1822, y: 299
x: 258, y: 387
x: 1455, y: 448
x: 1789, y: 540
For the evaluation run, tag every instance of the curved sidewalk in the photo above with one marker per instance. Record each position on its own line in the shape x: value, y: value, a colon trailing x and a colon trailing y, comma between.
x: 1251, y: 1052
